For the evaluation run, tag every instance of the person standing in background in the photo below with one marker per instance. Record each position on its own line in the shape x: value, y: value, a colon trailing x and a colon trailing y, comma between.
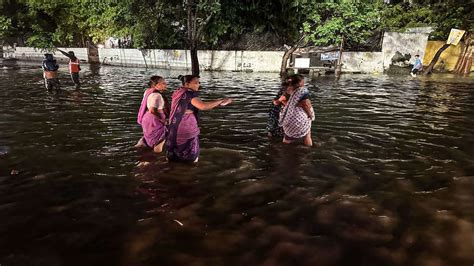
x: 74, y: 66
x: 50, y: 72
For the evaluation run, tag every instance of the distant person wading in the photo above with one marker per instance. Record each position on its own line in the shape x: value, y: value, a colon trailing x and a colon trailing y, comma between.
x: 50, y: 72
x: 74, y: 66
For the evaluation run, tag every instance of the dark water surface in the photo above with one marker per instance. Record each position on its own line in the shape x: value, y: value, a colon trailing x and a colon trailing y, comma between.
x: 391, y: 181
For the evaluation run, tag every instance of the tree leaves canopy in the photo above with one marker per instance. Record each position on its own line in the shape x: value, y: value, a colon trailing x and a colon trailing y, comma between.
x: 163, y: 24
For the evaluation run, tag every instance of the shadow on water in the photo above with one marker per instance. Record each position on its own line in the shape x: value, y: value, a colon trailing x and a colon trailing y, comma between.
x: 390, y: 181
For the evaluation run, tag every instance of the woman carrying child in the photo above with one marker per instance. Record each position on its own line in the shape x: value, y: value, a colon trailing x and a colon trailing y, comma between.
x: 298, y: 113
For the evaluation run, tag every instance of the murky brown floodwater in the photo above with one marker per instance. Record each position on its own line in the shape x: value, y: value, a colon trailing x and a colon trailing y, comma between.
x: 392, y: 182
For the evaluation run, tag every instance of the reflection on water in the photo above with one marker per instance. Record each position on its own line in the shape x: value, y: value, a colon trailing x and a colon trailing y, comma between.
x: 390, y: 181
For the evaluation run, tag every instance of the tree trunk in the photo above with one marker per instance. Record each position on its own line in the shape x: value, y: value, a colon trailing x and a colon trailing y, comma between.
x: 338, y: 69
x: 194, y: 61
x: 144, y: 59
x: 284, y: 61
x: 192, y: 35
x: 433, y: 62
x: 461, y: 58
x: 92, y: 53
x: 464, y: 64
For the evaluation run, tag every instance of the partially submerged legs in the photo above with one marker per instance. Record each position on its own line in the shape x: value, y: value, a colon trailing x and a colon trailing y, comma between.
x: 159, y: 147
x: 75, y: 79
x: 51, y: 84
x: 307, y: 141
x: 142, y: 144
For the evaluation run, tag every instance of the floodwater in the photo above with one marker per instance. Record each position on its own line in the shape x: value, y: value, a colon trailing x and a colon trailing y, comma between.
x: 390, y: 181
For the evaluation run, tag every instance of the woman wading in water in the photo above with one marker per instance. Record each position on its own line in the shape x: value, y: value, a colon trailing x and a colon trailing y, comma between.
x: 153, y: 115
x: 183, y: 138
x: 298, y: 113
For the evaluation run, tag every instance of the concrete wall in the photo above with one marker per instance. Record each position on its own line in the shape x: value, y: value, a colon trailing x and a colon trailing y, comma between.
x: 364, y: 62
x: 448, y: 59
x: 258, y: 61
x: 405, y: 43
x: 33, y: 54
x: 151, y: 58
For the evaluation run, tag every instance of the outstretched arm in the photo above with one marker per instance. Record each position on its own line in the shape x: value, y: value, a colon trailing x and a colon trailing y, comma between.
x: 201, y: 105
x: 65, y: 53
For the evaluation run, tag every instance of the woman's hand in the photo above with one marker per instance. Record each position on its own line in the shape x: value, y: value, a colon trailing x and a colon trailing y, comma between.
x: 225, y: 102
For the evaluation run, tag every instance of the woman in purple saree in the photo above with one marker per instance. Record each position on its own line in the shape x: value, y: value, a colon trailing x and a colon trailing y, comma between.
x: 152, y: 115
x: 183, y: 139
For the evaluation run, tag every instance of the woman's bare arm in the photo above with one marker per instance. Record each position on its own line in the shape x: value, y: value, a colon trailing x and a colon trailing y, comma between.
x: 201, y: 105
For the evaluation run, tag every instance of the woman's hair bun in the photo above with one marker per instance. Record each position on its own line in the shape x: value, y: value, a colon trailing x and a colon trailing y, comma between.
x: 180, y: 77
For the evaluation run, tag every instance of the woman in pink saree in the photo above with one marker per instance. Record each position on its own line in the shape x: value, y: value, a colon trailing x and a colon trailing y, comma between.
x: 183, y: 139
x: 153, y: 115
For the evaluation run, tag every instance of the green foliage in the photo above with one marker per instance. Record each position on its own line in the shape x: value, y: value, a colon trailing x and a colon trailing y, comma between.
x: 445, y: 18
x: 209, y: 22
x: 150, y: 24
x: 163, y: 24
x: 39, y: 40
x: 327, y: 23
x: 5, y: 26
x: 441, y: 16
x: 402, y: 16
